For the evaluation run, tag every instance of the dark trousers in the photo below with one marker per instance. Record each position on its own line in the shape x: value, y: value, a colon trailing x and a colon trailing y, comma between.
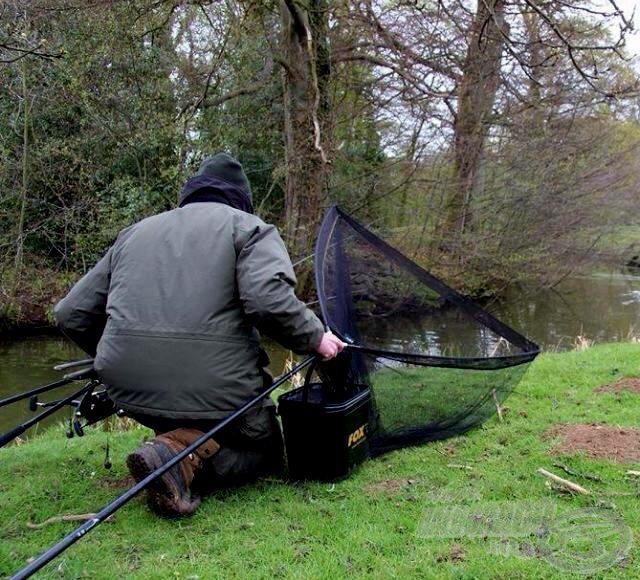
x: 250, y: 447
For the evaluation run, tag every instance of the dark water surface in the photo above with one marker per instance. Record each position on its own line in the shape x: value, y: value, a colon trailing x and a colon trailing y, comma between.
x: 600, y: 307
x: 28, y: 362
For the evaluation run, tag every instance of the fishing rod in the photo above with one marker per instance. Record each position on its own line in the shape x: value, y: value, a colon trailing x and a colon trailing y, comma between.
x: 65, y: 380
x: 20, y: 429
x: 116, y: 504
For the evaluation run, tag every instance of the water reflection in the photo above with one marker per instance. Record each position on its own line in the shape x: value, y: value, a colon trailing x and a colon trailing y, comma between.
x: 603, y: 308
x: 447, y: 333
x: 26, y: 363
x: 631, y: 297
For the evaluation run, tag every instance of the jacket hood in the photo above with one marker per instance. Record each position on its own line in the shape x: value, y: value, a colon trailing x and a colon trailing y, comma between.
x: 220, y: 178
x: 202, y: 188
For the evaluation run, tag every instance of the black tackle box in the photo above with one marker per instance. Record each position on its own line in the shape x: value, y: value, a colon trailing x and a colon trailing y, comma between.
x: 325, y: 437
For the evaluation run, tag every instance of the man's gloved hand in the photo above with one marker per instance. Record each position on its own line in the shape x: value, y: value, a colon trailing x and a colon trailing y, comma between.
x: 330, y: 346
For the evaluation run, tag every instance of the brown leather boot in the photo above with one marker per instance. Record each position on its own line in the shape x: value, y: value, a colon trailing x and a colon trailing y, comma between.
x: 170, y: 495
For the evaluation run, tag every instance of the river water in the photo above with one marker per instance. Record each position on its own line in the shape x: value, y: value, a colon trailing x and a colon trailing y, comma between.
x: 599, y: 307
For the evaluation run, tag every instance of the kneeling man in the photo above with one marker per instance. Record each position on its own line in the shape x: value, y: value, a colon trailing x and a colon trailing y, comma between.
x: 171, y: 314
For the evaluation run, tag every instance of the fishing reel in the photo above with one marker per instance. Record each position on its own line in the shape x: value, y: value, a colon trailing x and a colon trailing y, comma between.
x: 92, y: 406
x: 89, y: 404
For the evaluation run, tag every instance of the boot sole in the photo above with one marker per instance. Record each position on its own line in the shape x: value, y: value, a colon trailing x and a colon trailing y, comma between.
x: 143, y: 462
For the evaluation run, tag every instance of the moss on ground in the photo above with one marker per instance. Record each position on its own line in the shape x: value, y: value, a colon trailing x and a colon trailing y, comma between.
x: 364, y: 526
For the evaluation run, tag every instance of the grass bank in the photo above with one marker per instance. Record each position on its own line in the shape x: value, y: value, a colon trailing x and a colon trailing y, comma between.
x: 364, y: 526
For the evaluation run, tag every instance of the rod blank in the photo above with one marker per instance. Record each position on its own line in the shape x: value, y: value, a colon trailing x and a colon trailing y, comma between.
x: 116, y: 504
x: 20, y: 429
x: 65, y: 380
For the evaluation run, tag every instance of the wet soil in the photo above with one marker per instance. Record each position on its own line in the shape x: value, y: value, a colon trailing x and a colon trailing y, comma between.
x: 621, y: 444
x: 388, y: 485
x: 631, y: 384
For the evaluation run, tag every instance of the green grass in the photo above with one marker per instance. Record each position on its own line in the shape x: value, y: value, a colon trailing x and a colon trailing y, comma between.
x: 433, y: 396
x: 364, y: 526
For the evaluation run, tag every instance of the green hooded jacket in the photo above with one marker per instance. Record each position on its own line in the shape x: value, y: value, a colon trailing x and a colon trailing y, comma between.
x: 171, y: 311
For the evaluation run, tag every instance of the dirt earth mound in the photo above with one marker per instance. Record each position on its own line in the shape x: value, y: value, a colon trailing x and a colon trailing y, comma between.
x: 620, y: 444
x: 631, y: 384
x: 388, y: 485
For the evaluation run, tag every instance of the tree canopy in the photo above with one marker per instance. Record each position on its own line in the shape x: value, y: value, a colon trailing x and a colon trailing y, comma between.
x: 492, y: 141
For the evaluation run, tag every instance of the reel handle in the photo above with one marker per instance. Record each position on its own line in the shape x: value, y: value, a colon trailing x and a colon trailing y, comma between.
x: 77, y: 428
x: 85, y: 373
x: 75, y: 363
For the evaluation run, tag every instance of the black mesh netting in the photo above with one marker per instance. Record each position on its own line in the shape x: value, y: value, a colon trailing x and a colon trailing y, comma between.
x: 437, y: 363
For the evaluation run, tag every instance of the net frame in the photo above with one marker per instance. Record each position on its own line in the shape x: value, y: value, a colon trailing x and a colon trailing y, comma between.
x: 529, y: 349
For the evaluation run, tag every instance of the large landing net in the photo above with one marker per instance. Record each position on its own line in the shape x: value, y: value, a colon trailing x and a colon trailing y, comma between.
x: 437, y: 362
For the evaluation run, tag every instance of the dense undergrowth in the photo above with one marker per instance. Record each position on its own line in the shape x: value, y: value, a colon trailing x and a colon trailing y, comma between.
x: 27, y: 300
x: 364, y: 526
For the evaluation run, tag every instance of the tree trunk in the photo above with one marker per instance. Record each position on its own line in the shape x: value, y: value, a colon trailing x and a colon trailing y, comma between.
x: 535, y: 56
x: 307, y: 124
x: 477, y: 92
x: 25, y: 176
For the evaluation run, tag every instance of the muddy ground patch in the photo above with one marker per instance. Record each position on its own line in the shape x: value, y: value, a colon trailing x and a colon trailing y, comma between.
x: 388, y: 486
x: 620, y: 444
x: 630, y: 384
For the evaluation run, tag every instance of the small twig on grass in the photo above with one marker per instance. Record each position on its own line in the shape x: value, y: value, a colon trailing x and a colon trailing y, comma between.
x: 62, y: 518
x: 632, y: 472
x: 619, y: 494
x: 497, y: 403
x: 570, y: 471
x: 458, y: 466
x: 570, y: 485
